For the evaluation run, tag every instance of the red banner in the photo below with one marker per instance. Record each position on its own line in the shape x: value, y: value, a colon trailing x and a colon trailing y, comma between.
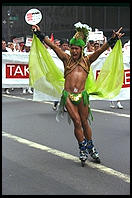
x: 17, y: 71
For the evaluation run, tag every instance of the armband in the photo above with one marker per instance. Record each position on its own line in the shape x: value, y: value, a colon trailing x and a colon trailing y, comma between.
x: 39, y: 35
x: 112, y: 41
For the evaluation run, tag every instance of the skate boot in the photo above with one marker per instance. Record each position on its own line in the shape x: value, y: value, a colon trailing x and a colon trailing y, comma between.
x: 92, y: 151
x: 83, y: 154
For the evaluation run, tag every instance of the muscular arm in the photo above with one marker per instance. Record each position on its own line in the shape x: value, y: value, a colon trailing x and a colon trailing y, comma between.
x: 62, y: 55
x: 111, y: 41
x: 98, y: 52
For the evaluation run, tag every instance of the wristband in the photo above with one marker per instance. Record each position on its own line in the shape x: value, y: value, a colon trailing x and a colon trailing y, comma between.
x: 112, y: 41
x: 39, y: 35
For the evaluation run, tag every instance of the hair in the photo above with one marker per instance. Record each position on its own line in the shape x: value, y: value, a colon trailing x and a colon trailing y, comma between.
x: 62, y: 41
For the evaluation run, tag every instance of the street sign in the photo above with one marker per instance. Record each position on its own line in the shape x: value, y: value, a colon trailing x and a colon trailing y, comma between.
x: 13, y: 18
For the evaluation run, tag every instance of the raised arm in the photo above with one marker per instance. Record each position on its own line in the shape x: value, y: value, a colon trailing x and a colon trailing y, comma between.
x: 62, y: 55
x: 115, y: 36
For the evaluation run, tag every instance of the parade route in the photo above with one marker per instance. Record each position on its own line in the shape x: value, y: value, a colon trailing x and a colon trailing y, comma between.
x: 100, y: 167
x: 40, y: 156
x: 65, y: 99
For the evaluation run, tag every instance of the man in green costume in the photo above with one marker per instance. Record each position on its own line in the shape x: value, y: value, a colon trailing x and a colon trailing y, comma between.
x: 74, y: 96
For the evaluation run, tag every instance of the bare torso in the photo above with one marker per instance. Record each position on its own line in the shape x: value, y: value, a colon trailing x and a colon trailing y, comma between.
x: 75, y: 80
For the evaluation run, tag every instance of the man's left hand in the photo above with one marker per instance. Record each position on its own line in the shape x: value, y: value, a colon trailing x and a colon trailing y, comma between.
x: 118, y: 33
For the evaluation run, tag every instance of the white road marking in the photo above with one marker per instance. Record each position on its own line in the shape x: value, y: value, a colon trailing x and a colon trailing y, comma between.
x: 100, y: 167
x: 110, y: 112
x: 96, y: 110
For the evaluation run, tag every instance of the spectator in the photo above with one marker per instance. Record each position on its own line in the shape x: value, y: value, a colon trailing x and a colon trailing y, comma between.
x: 96, y: 45
x: 27, y: 48
x: 12, y: 47
x: 89, y: 48
x: 22, y: 47
x: 4, y: 49
x: 118, y: 104
x: 17, y: 47
x: 64, y: 44
x: 57, y: 42
x: 91, y: 45
x: 29, y: 90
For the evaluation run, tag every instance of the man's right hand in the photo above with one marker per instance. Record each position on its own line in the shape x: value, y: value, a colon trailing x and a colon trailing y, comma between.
x: 35, y: 28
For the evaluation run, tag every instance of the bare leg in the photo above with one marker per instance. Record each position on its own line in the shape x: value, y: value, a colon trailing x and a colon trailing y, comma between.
x: 83, y: 112
x: 73, y: 112
x: 79, y: 115
x: 78, y: 131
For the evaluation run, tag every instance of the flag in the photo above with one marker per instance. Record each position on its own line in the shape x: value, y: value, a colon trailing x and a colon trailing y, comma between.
x: 110, y: 79
x: 44, y: 75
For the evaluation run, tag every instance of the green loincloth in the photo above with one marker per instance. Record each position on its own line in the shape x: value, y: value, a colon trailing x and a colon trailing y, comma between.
x: 75, y: 99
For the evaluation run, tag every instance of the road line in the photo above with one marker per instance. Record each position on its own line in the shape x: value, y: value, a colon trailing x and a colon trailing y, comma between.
x: 109, y: 112
x: 16, y: 97
x: 100, y: 167
x: 30, y: 99
x: 96, y: 110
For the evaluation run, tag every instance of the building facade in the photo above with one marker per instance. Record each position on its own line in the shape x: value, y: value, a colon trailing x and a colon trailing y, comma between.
x: 60, y: 19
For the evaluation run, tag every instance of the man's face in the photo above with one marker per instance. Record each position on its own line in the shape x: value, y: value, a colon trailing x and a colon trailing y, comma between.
x: 96, y: 46
x: 12, y: 46
x: 75, y: 52
x: 57, y: 43
x: 64, y: 46
x: 3, y: 45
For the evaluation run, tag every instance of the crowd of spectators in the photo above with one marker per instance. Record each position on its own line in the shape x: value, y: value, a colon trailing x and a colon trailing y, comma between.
x: 15, y: 48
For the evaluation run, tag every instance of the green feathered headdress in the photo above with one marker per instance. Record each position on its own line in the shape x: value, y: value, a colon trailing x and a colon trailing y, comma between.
x: 80, y: 38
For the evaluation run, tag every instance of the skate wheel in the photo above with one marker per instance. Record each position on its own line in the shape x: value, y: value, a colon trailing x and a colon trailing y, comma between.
x: 82, y: 163
x: 97, y: 160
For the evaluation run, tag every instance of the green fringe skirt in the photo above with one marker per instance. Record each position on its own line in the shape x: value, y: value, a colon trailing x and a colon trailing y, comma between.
x: 75, y: 99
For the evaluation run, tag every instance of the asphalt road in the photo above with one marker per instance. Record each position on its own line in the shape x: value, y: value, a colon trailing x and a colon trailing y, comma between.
x: 40, y: 156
